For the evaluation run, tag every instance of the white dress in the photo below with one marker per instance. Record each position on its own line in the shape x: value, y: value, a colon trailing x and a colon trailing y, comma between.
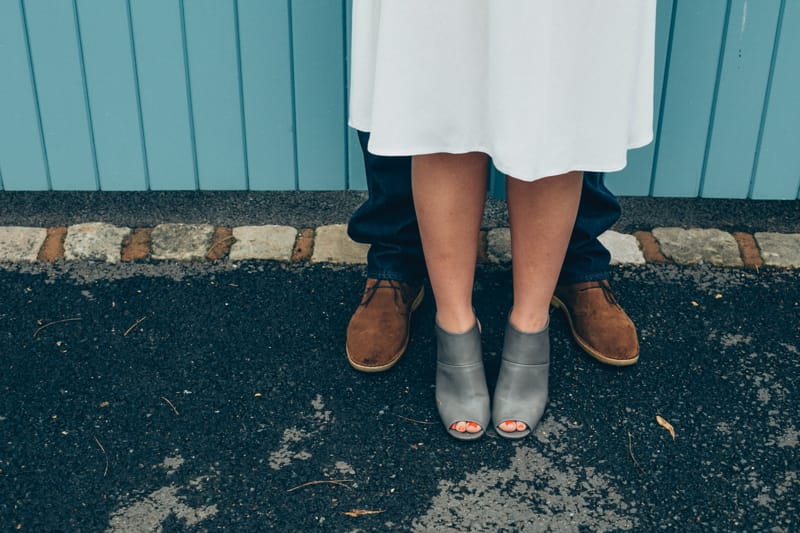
x: 543, y: 86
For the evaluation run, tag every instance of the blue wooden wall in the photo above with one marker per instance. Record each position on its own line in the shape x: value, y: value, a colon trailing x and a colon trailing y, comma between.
x: 252, y: 94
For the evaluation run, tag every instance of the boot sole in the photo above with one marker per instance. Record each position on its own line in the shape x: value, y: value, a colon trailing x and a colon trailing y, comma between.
x: 585, y: 346
x: 396, y: 357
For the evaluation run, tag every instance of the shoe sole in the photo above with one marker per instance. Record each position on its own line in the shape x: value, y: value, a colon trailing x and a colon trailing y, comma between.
x: 396, y: 357
x: 585, y: 346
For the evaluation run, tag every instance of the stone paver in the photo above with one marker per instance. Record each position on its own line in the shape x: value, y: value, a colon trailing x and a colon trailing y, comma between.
x: 181, y: 242
x: 269, y: 242
x: 625, y: 249
x: 693, y: 246
x: 333, y: 245
x: 95, y: 241
x: 498, y: 245
x: 780, y: 249
x: 20, y: 244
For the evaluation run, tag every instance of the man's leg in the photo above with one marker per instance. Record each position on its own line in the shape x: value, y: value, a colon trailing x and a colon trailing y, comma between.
x: 378, y: 332
x: 600, y: 326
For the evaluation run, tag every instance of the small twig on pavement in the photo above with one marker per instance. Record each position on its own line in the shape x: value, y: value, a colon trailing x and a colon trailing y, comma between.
x: 134, y: 325
x: 630, y: 452
x: 104, y: 455
x: 171, y: 405
x: 340, y: 482
x: 54, y: 323
x: 415, y: 421
x: 355, y: 513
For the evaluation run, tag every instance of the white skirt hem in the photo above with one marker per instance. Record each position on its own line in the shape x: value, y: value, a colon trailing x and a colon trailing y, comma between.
x: 614, y: 165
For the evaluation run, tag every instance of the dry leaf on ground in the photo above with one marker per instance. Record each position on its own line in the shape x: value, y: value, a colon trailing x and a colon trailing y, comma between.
x: 666, y: 425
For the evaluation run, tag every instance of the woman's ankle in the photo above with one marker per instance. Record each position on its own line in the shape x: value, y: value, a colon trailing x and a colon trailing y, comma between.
x: 528, y: 322
x: 456, y: 322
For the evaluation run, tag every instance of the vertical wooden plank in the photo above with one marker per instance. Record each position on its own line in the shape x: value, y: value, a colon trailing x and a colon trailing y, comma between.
x: 267, y: 88
x: 57, y: 66
x: 355, y: 158
x: 689, y: 94
x: 110, y: 81
x: 635, y: 178
x: 777, y: 170
x: 317, y: 29
x: 216, y: 105
x: 740, y: 99
x: 22, y: 157
x: 168, y: 136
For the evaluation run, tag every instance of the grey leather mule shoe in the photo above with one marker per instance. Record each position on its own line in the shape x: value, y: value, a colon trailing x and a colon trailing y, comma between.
x: 461, y: 391
x: 521, y: 392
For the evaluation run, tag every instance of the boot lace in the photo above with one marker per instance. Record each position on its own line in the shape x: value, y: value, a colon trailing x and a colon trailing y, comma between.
x: 607, y: 292
x: 369, y: 293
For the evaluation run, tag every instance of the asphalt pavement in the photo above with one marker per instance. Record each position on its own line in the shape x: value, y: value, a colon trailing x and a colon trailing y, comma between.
x: 160, y: 396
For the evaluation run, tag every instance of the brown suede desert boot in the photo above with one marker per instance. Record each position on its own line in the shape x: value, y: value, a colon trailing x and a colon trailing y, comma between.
x: 600, y: 326
x: 377, y: 335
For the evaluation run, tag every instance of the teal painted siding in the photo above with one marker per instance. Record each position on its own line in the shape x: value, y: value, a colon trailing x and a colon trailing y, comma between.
x: 23, y: 161
x: 775, y: 173
x: 252, y: 94
x: 112, y: 93
x: 57, y: 58
x: 265, y: 42
x: 157, y: 33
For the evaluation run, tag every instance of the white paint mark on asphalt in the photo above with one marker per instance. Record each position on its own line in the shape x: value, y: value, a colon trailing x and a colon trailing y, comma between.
x: 317, y: 403
x: 768, y: 388
x: 535, y: 492
x: 735, y: 339
x: 771, y: 494
x: 789, y: 439
x: 283, y: 456
x: 344, y: 468
x: 790, y: 348
x: 764, y: 396
x: 148, y: 514
x: 172, y: 464
x: 324, y: 417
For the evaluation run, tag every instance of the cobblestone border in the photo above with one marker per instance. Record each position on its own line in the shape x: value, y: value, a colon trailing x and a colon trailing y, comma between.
x: 103, y: 242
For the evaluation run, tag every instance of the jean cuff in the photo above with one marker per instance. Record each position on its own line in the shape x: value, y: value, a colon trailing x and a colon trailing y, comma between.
x: 569, y: 279
x: 403, y: 277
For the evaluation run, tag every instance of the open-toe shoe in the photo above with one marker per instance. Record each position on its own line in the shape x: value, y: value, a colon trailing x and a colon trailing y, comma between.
x: 521, y: 392
x: 461, y: 391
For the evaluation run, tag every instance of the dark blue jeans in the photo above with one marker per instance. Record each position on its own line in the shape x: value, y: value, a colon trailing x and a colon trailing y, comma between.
x: 388, y: 223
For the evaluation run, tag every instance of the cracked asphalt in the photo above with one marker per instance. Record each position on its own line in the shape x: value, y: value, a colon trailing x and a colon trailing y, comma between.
x: 205, y: 397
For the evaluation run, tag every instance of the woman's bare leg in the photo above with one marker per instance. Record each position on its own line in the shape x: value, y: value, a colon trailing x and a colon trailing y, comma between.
x: 541, y: 216
x: 449, y: 195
